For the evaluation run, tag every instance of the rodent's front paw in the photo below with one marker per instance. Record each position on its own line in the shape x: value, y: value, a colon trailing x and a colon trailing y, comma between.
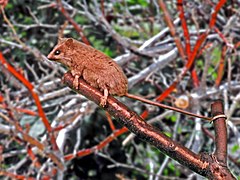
x: 75, y: 81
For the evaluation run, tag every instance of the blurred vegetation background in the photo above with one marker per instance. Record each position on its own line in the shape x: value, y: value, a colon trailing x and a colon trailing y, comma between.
x: 134, y: 33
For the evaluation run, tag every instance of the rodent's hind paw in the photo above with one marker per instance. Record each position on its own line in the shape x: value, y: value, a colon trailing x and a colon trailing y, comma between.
x: 103, y: 101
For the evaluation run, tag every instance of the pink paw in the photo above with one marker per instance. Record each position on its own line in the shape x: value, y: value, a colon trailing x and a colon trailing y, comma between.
x: 75, y: 81
x: 103, y: 101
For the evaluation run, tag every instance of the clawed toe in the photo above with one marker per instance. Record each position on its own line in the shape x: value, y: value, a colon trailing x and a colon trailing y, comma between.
x: 75, y: 81
x: 103, y: 101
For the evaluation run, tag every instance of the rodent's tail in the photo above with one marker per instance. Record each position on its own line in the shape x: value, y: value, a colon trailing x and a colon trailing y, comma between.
x: 166, y: 106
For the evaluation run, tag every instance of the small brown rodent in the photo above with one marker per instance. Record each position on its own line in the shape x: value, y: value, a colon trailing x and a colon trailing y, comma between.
x: 98, y: 70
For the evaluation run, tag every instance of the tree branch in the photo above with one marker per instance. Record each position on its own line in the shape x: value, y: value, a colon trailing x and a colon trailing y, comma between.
x: 138, y: 126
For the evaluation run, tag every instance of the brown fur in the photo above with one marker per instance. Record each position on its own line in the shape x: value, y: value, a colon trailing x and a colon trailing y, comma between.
x: 96, y: 68
x: 99, y: 71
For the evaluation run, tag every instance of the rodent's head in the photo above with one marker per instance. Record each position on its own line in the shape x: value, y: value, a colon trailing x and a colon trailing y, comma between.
x: 62, y: 51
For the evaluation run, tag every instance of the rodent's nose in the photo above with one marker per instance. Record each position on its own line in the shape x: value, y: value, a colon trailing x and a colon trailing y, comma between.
x: 49, y: 56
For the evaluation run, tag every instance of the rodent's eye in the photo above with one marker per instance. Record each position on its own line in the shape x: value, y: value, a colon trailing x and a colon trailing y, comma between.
x: 57, y: 52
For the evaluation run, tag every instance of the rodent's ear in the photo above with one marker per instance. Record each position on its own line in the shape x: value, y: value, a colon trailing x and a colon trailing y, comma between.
x: 60, y: 40
x: 69, y: 42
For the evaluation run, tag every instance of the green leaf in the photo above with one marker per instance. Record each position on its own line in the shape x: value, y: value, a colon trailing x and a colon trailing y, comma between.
x: 214, y: 75
x: 80, y: 19
x: 200, y: 64
x: 108, y: 52
x: 143, y: 3
x: 171, y: 167
x: 9, y: 6
x: 172, y: 118
x: 210, y: 70
x: 216, y: 55
x: 23, y: 34
x: 166, y: 172
x: 28, y: 20
x: 168, y: 134
x: 235, y: 148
